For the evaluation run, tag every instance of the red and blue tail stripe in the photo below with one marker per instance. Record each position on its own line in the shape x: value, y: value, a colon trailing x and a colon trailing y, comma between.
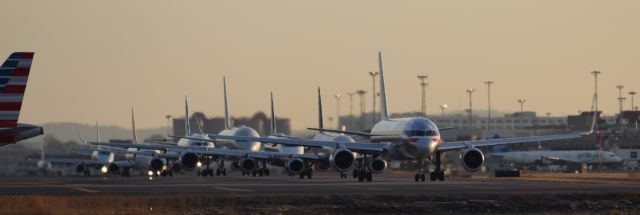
x: 14, y: 73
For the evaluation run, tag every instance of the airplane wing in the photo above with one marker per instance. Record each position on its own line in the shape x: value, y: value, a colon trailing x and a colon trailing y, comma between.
x: 200, y: 150
x: 74, y: 161
x: 358, y: 147
x: 448, y: 146
x: 356, y: 133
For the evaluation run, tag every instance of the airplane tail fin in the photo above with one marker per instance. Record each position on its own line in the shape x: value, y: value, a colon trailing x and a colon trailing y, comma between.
x: 14, y: 73
x: 227, y: 123
x: 97, y: 131
x: 383, y: 94
x: 187, y: 126
x: 273, y: 118
x: 320, y: 120
x: 133, y: 127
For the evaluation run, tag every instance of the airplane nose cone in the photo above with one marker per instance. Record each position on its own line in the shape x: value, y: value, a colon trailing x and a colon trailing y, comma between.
x: 426, y: 146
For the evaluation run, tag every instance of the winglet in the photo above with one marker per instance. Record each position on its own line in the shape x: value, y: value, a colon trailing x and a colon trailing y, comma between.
x: 227, y: 123
x: 273, y: 118
x: 133, y: 127
x: 383, y: 94
x: 320, y: 121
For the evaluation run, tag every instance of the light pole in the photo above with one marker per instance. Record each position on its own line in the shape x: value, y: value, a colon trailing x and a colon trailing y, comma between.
x: 595, y: 98
x: 443, y: 107
x: 337, y: 96
x: 168, y: 124
x: 470, y: 91
x: 373, y: 77
x: 632, y: 94
x: 361, y: 93
x: 621, y: 101
x: 489, y: 83
x: 423, y: 84
x: 521, y: 101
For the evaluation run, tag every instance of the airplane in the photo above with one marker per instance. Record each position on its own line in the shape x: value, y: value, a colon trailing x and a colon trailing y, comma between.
x: 404, y: 139
x: 547, y: 157
x: 197, y: 150
x: 14, y: 73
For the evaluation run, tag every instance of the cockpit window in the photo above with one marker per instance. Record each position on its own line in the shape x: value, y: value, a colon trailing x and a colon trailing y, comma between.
x: 421, y: 128
x: 422, y: 133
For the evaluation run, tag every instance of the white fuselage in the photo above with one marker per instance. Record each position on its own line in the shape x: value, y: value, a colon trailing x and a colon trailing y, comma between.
x: 243, y: 131
x: 548, y: 157
x: 416, y: 137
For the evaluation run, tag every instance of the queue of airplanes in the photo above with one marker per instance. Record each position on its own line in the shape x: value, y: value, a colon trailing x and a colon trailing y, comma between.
x: 240, y: 147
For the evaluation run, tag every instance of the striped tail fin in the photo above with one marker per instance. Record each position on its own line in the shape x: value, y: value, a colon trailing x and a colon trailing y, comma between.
x: 14, y: 73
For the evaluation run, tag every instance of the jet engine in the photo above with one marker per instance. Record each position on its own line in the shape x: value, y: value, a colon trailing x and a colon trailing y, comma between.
x: 248, y: 164
x: 155, y: 164
x: 295, y: 165
x: 377, y: 165
x: 472, y: 159
x: 189, y: 160
x: 176, y: 167
x: 342, y: 159
x: 113, y: 167
x: 81, y: 168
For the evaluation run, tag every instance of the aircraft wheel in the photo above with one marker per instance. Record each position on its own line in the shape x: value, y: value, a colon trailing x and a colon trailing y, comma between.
x: 254, y: 174
x: 417, y: 177
x: 433, y: 176
x: 217, y: 172
x: 360, y: 177
x: 423, y: 176
x: 224, y: 172
x: 302, y: 175
x: 355, y: 173
x: 441, y: 176
x: 369, y: 176
x: 308, y: 174
x: 170, y: 173
x: 267, y: 172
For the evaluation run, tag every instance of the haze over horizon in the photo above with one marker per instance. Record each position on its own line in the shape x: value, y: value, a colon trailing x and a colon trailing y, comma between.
x: 95, y: 60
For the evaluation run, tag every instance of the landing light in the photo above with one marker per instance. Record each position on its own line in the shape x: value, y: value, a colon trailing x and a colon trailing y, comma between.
x: 104, y: 169
x: 150, y: 173
x: 199, y: 164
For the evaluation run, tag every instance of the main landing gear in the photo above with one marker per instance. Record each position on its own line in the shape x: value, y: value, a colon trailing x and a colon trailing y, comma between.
x: 307, y: 171
x: 437, y: 174
x: 221, y: 169
x: 363, y: 173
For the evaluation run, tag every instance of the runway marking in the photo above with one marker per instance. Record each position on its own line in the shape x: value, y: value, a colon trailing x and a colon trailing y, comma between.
x: 366, y: 188
x: 86, y: 190
x: 232, y: 189
x: 477, y: 187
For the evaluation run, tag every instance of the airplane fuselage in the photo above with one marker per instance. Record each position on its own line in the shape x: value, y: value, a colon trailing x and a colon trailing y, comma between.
x: 411, y: 138
x: 548, y: 157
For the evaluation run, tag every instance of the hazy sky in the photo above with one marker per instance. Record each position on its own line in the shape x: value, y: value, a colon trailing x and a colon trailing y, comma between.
x: 96, y: 59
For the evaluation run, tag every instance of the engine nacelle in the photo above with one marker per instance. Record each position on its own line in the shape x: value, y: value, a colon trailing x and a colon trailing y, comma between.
x: 156, y: 164
x: 377, y: 165
x: 176, y: 167
x: 248, y: 164
x: 189, y: 160
x: 472, y: 159
x: 113, y: 167
x: 81, y: 168
x: 295, y: 165
x: 342, y: 159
